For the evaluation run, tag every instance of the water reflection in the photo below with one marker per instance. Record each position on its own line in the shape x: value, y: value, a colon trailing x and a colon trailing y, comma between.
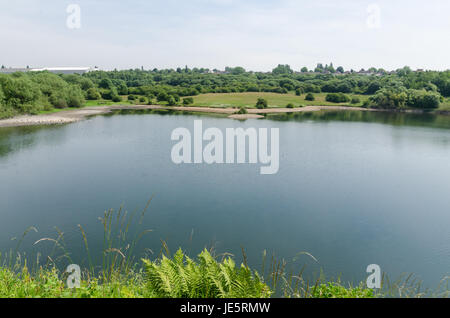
x: 395, y: 119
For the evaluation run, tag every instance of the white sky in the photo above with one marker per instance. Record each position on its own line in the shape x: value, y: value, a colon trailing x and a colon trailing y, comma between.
x: 255, y: 34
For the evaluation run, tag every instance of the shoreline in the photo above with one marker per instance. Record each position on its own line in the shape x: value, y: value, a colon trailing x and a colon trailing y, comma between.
x: 78, y: 114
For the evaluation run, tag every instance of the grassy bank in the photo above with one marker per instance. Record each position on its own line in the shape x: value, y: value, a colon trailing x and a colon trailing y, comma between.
x: 225, y: 100
x: 115, y: 272
x: 175, y: 277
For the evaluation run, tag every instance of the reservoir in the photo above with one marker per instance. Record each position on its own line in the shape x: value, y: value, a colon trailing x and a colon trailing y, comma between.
x: 353, y: 189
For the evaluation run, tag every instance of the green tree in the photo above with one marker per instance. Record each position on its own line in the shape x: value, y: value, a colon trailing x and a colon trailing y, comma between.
x: 299, y: 91
x: 171, y: 101
x: 282, y: 69
x: 261, y: 103
x: 106, y: 83
x: 188, y: 101
x: 122, y: 89
x: 21, y: 92
x: 93, y: 94
x: 75, y: 97
x: 310, y: 97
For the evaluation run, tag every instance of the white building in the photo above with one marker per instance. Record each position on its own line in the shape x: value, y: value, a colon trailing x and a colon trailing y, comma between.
x: 56, y: 70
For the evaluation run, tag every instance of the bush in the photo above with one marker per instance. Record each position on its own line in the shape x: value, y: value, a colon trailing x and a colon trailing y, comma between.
x: 131, y: 97
x: 19, y: 92
x: 171, y: 101
x: 355, y: 100
x: 290, y: 105
x: 299, y: 91
x: 93, y: 94
x: 162, y: 97
x: 310, y: 97
x: 388, y: 99
x: 423, y: 99
x: 261, y: 103
x: 143, y: 100
x: 75, y: 97
x: 116, y: 98
x: 188, y: 101
x: 337, y: 98
x: 69, y: 96
x: 242, y: 111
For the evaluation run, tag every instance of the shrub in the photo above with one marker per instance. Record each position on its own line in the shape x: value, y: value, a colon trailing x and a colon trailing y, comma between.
x: 20, y: 91
x: 388, y: 99
x: 93, y: 94
x: 242, y: 111
x: 131, y: 97
x: 310, y: 97
x: 337, y: 98
x: 109, y: 93
x: 162, y: 97
x: 261, y: 103
x: 75, y: 97
x: 355, y: 100
x: 423, y: 99
x: 290, y: 105
x: 299, y: 91
x: 69, y: 96
x: 116, y: 98
x: 188, y: 101
x: 171, y: 101
x: 142, y: 99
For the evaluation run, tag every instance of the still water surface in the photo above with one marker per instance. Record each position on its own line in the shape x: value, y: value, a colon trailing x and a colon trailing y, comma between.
x: 353, y: 189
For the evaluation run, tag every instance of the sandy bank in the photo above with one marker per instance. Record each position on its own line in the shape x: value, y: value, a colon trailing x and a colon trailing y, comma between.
x: 74, y: 115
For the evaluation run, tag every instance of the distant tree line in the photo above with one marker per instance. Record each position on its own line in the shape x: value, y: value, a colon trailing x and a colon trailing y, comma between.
x: 32, y: 92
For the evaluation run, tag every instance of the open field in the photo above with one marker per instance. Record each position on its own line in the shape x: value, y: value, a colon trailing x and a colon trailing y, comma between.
x: 273, y: 99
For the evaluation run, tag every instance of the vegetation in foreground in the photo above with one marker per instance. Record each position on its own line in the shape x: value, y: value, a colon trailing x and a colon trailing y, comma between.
x: 119, y: 275
x: 176, y: 277
x: 36, y: 92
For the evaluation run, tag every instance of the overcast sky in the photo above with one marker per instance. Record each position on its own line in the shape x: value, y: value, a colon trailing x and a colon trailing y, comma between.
x: 255, y: 34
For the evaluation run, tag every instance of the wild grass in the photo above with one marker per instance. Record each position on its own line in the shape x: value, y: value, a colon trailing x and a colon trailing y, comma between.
x: 122, y: 275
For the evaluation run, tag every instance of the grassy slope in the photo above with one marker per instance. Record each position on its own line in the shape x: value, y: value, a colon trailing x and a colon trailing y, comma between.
x: 277, y: 100
x: 274, y: 100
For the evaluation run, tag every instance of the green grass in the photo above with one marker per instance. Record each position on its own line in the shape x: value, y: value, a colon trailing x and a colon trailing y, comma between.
x: 120, y: 275
x: 274, y: 100
x: 445, y: 106
x: 175, y: 277
x: 178, y: 277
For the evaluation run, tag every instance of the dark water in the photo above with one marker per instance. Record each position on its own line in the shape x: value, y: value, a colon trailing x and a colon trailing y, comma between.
x: 353, y: 189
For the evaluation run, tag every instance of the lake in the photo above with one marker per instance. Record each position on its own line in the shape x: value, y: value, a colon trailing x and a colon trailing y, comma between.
x: 353, y: 189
